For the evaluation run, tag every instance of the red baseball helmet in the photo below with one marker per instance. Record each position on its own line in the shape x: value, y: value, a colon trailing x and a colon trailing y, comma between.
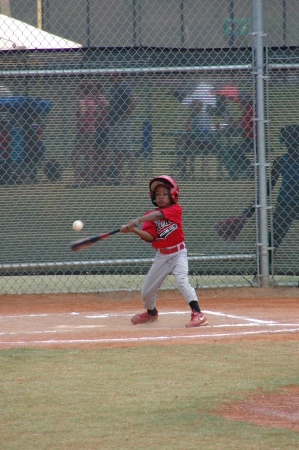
x: 167, y: 181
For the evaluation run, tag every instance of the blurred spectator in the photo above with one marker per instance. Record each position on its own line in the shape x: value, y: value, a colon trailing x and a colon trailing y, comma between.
x: 122, y: 102
x: 25, y: 118
x: 32, y: 149
x: 100, y: 161
x: 286, y: 167
x: 246, y: 124
x: 86, y: 115
x: 199, y: 139
x: 91, y: 137
x: 240, y: 153
x: 199, y: 121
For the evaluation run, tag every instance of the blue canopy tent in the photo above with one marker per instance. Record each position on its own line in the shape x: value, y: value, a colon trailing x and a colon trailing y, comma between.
x: 16, y: 103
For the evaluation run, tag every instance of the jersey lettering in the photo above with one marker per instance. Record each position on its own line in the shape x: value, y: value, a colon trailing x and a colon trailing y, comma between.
x: 164, y: 228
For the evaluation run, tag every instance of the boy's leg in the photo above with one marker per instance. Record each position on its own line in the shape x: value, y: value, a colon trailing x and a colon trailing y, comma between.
x: 153, y: 280
x: 155, y: 277
x: 180, y: 271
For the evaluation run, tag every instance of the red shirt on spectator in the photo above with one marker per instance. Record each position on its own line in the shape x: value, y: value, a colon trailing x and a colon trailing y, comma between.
x: 87, y: 114
x: 92, y: 113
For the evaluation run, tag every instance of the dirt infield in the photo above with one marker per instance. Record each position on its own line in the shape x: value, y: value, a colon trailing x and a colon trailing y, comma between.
x: 103, y: 320
x: 63, y: 320
x: 276, y: 409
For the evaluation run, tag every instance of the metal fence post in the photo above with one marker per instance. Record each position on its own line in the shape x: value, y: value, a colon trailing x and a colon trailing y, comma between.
x: 261, y: 147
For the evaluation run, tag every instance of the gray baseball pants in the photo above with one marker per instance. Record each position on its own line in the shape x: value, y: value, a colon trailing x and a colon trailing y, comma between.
x: 163, y: 265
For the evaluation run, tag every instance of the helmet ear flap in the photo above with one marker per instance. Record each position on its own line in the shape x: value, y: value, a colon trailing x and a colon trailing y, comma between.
x: 153, y: 198
x: 173, y: 193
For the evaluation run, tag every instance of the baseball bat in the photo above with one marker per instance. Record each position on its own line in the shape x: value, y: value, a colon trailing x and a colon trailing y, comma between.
x: 85, y: 242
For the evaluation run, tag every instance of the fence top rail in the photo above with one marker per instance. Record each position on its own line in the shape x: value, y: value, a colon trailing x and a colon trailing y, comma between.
x: 121, y: 262
x: 141, y: 70
x: 135, y: 70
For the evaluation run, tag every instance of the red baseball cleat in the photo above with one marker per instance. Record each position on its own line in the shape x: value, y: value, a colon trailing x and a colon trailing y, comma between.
x: 197, y: 320
x: 143, y: 317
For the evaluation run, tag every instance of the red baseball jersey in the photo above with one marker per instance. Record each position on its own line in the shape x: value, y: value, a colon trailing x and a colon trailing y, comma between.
x: 168, y: 231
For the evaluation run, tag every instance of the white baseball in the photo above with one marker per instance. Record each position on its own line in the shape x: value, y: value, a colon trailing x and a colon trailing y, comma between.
x: 78, y: 225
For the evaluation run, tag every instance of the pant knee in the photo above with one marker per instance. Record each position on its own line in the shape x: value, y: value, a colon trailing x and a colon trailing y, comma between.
x: 181, y: 282
x: 187, y: 291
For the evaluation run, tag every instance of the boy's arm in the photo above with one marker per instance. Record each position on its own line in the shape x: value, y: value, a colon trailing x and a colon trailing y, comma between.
x: 150, y: 217
x: 144, y: 235
x: 132, y: 225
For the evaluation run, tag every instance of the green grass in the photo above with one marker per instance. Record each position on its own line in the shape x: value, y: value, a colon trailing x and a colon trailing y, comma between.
x: 154, y: 397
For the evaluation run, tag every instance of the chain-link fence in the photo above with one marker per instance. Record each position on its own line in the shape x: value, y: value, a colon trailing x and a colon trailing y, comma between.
x: 98, y: 97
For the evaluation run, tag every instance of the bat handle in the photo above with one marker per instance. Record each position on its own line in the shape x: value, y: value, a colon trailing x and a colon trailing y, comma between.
x: 114, y: 231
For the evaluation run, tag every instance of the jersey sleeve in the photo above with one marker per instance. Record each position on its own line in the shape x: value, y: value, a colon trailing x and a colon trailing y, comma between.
x: 173, y: 212
x: 149, y: 227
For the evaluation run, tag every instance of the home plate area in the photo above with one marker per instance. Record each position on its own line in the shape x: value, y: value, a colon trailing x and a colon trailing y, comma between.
x: 63, y: 320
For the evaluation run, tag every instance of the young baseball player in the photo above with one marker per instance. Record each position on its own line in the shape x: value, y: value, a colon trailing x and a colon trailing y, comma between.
x: 162, y: 227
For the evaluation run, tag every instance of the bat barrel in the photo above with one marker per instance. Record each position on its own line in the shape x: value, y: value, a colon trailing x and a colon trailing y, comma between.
x: 77, y: 245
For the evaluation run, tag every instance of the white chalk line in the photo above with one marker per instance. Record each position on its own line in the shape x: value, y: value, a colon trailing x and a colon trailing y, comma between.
x: 22, y: 316
x: 68, y: 329
x: 145, y: 338
x: 58, y: 329
x: 212, y: 313
x: 108, y: 315
x: 240, y: 325
x: 15, y: 333
x: 232, y: 316
x: 77, y: 327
